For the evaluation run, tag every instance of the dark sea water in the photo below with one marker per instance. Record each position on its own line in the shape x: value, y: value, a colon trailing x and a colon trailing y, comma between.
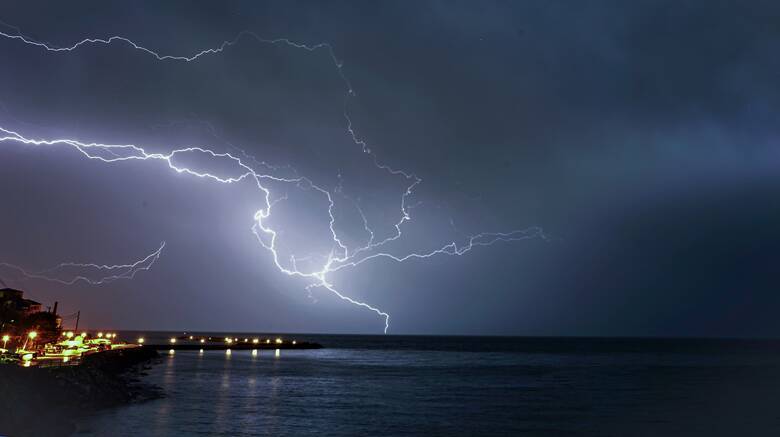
x: 463, y: 386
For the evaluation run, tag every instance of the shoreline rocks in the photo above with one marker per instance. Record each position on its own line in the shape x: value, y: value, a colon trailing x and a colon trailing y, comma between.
x: 44, y: 401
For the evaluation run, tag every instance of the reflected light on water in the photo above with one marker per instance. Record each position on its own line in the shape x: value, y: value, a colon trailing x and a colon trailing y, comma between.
x: 254, y: 352
x: 171, y: 352
x: 278, y: 353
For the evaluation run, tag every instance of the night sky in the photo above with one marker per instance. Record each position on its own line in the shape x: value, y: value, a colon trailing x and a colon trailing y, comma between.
x: 641, y: 136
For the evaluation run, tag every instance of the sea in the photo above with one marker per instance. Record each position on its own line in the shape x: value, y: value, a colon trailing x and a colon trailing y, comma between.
x: 459, y: 386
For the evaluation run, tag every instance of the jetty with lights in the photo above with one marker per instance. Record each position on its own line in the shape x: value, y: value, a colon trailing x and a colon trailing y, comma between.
x: 206, y: 342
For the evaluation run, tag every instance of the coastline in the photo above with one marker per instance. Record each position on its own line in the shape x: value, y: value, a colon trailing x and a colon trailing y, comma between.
x: 44, y: 401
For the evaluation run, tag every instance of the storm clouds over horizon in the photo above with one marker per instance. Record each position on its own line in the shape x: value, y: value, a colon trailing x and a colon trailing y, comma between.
x: 641, y: 136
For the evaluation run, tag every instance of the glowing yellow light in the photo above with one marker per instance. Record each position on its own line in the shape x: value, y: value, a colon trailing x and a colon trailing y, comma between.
x: 255, y: 341
x: 278, y: 353
x: 171, y: 352
x: 229, y: 340
x: 173, y: 340
x: 228, y: 352
x: 246, y: 340
x: 191, y: 337
x: 268, y: 340
x: 100, y: 335
x: 294, y: 342
x: 32, y: 334
x: 26, y: 364
x: 65, y: 359
x: 278, y: 341
x: 141, y: 340
x: 254, y: 352
x: 69, y: 334
x: 83, y: 335
x: 201, y: 351
x: 202, y: 340
x: 27, y: 357
x: 6, y: 337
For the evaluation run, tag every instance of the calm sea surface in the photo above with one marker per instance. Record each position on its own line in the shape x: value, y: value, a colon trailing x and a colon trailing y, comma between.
x: 393, y: 385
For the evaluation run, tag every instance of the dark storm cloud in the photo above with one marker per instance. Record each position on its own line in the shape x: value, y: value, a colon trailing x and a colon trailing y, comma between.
x: 641, y: 135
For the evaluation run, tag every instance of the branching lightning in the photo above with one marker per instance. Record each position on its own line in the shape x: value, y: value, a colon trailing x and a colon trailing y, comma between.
x: 102, y: 273
x: 339, y: 258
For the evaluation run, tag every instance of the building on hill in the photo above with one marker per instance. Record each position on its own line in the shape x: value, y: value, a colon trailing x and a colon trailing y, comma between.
x: 13, y: 301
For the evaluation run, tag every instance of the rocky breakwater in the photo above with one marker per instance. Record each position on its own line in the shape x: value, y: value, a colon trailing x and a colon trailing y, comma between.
x: 44, y: 401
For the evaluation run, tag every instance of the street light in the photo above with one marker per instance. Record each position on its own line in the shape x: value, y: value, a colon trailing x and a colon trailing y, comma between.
x: 6, y: 337
x: 30, y: 336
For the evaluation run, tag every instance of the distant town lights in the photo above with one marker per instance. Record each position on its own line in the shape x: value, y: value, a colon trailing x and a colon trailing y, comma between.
x: 202, y: 340
x: 100, y: 335
x: 278, y: 341
x: 32, y: 335
x: 173, y: 340
x: 141, y: 340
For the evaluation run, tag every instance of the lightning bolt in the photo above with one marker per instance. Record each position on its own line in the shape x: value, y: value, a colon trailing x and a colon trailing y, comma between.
x: 340, y: 257
x: 110, y: 272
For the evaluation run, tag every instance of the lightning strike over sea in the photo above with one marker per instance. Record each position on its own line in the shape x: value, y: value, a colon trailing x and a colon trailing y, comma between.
x: 368, y: 218
x: 245, y: 168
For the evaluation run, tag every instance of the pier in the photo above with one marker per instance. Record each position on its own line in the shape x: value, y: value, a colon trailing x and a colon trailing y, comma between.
x: 206, y: 343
